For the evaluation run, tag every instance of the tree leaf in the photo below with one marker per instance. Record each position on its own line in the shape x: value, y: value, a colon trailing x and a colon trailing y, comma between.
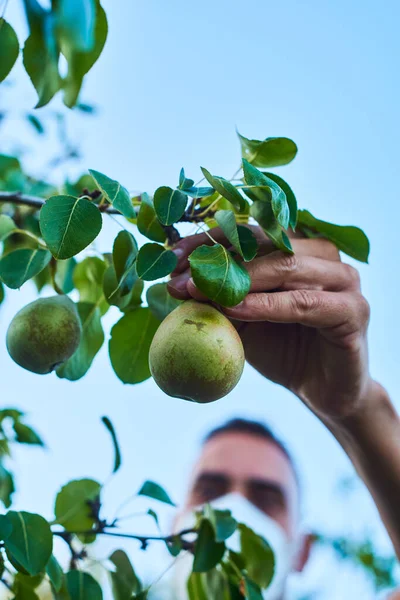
x: 30, y: 542
x: 113, y: 290
x: 92, y: 339
x: 154, y: 261
x: 196, y: 588
x: 40, y: 57
x: 218, y: 275
x: 79, y: 63
x: 222, y: 522
x: 147, y: 221
x: 64, y: 275
x: 290, y: 197
x: 280, y: 207
x: 7, y: 487
x: 125, y: 250
x: 21, y: 265
x: 347, y: 238
x: 82, y: 586
x: 184, y: 183
x: 241, y: 238
x: 7, y: 225
x: 155, y: 491
x: 55, y: 573
x: 160, y: 301
x: 208, y: 553
x: 251, y: 589
x: 36, y: 123
x: 199, y: 192
x: 169, y: 204
x: 73, y: 504
x: 26, y: 435
x: 226, y: 189
x: 115, y: 193
x: 75, y: 24
x: 271, y: 152
x: 129, y: 345
x: 5, y: 527
x: 88, y: 279
x: 1, y: 292
x: 260, y: 560
x: 69, y: 225
x: 9, y: 48
x: 262, y: 212
x: 117, y: 451
x: 124, y: 580
x: 25, y: 593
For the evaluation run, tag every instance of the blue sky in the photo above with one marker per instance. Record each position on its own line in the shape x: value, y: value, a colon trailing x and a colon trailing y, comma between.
x: 174, y: 81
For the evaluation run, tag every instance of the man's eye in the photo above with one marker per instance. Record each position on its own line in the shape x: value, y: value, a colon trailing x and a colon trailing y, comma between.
x: 269, y: 501
x: 209, y: 490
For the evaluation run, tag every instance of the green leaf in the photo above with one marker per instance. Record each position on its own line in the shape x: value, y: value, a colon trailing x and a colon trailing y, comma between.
x: 79, y: 63
x: 9, y: 48
x: 260, y: 561
x: 25, y: 593
x: 271, y: 152
x: 169, y: 204
x: 55, y: 573
x: 226, y: 189
x: 115, y: 193
x: 92, y: 338
x: 75, y: 24
x: 222, y: 522
x: 124, y: 580
x: 30, y: 542
x: 208, y: 553
x: 36, y: 123
x: 147, y: 221
x: 199, y: 192
x: 26, y: 435
x: 183, y: 182
x: 88, y: 279
x: 1, y: 292
x: 129, y: 345
x: 218, y: 275
x: 21, y: 265
x: 125, y: 250
x: 254, y: 177
x: 40, y: 57
x: 347, y: 238
x: 154, y: 261
x: 241, y: 238
x: 196, y: 588
x: 113, y: 291
x: 69, y: 225
x: 117, y: 452
x: 5, y: 527
x: 7, y: 487
x: 8, y: 164
x: 262, y: 212
x: 155, y: 491
x: 82, y: 586
x: 251, y: 589
x: 64, y: 275
x: 160, y: 301
x: 290, y: 197
x: 7, y: 225
x: 73, y: 504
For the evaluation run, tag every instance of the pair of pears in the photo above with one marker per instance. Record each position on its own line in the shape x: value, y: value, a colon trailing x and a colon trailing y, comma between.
x: 196, y: 353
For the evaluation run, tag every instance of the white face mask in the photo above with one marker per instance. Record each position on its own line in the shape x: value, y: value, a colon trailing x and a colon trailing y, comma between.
x: 244, y: 512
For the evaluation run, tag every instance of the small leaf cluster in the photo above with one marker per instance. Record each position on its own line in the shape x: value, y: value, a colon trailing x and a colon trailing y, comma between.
x: 74, y: 29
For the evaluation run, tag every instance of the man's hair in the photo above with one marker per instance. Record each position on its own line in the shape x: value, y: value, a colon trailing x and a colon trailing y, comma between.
x: 254, y: 428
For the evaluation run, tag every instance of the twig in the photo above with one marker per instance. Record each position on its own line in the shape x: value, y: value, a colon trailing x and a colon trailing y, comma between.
x: 26, y: 200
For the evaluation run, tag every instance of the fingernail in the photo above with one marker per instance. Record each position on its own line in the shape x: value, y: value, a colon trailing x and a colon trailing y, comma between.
x: 179, y: 282
x: 178, y: 252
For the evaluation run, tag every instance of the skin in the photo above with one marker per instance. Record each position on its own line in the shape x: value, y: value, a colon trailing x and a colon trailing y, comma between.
x: 304, y: 325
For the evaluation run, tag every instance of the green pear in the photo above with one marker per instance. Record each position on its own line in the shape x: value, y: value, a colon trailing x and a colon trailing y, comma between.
x: 196, y: 353
x: 44, y: 334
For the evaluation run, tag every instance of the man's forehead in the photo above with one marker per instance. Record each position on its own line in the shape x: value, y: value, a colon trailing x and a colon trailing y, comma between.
x: 243, y: 456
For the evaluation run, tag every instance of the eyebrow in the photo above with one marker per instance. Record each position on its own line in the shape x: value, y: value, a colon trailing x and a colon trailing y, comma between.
x: 252, y: 483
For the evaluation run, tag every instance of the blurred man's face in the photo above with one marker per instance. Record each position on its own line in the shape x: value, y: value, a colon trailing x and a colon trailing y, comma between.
x: 253, y: 467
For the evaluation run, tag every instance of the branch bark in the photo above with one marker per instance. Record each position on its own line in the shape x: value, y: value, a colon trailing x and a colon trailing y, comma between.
x: 26, y: 200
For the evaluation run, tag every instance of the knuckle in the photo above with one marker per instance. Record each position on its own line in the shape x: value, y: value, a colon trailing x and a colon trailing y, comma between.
x: 287, y: 263
x: 329, y: 249
x: 306, y: 301
x: 363, y: 308
x: 352, y: 275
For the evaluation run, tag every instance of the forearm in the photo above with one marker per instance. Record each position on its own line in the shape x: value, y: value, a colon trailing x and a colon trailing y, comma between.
x: 371, y: 439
